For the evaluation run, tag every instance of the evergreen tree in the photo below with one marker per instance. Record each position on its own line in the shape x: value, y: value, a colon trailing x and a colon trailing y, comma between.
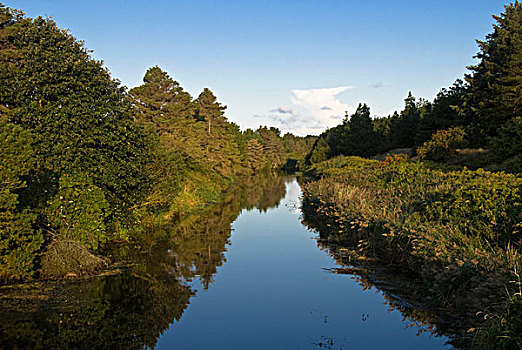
x: 495, y: 85
x: 210, y: 111
x: 404, y: 126
x: 382, y: 128
x: 255, y: 158
x: 161, y: 101
x: 272, y: 143
x: 334, y: 139
x: 162, y: 104
x: 507, y: 145
x: 442, y: 113
x: 319, y: 153
x: 359, y: 138
x: 220, y: 145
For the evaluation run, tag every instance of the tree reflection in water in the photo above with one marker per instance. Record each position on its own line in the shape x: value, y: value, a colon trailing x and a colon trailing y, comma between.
x: 131, y: 309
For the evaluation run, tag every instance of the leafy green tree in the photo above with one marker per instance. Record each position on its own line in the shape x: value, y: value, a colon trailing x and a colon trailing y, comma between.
x: 319, y: 153
x: 78, y: 211
x: 79, y: 117
x: 495, y: 84
x: 19, y: 242
x: 334, y: 137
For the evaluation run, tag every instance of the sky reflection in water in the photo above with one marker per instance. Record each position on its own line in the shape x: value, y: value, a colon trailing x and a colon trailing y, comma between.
x: 273, y: 292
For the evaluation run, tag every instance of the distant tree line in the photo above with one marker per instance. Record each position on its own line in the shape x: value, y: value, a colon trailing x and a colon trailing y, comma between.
x: 483, y: 110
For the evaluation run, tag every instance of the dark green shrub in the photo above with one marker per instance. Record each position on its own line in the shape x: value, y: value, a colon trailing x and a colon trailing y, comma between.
x: 513, y: 165
x: 442, y: 145
x: 19, y: 242
x: 340, y: 165
x: 319, y: 153
x: 506, y: 147
x: 508, y: 143
x: 78, y: 211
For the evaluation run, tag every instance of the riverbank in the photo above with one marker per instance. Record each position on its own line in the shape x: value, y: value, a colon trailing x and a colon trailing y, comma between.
x: 456, y: 231
x: 130, y: 304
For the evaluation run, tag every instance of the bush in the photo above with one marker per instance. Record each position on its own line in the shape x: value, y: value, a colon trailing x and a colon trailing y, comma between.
x: 442, y: 145
x: 508, y: 143
x: 19, y: 242
x: 78, y: 211
x: 339, y: 165
x: 481, y: 204
x: 507, y: 146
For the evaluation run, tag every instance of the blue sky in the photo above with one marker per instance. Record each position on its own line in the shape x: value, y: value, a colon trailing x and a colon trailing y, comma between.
x: 297, y: 65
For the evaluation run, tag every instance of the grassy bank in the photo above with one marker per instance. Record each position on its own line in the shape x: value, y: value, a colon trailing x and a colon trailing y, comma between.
x: 457, y: 231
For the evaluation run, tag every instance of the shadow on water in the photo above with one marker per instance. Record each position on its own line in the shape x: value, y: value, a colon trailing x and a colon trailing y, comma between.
x: 400, y: 291
x: 130, y: 309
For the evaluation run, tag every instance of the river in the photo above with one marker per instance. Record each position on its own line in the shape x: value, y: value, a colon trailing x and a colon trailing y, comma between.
x: 247, y: 274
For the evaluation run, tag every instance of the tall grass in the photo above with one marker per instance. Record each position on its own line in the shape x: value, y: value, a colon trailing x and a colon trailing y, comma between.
x: 457, y: 230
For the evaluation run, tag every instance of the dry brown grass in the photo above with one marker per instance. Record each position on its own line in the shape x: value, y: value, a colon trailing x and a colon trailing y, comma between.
x: 67, y: 258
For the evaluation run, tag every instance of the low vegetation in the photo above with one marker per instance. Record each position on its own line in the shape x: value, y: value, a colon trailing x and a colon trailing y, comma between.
x: 457, y: 230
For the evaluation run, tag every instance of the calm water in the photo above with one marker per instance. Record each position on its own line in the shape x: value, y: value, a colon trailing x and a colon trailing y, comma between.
x: 246, y: 275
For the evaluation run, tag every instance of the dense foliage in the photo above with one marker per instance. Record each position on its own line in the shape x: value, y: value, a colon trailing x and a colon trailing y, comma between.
x: 494, y: 93
x: 78, y: 211
x: 19, y: 242
x: 442, y: 145
x: 78, y: 116
x: 85, y: 161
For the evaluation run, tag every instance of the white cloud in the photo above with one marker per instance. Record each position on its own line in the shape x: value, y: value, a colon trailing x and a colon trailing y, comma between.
x: 311, y: 111
x: 322, y: 108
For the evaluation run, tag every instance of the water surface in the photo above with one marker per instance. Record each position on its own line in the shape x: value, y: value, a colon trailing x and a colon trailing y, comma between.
x: 275, y: 291
x: 246, y: 274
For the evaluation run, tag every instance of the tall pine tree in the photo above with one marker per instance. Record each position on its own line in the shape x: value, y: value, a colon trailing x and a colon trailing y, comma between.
x: 219, y: 142
x: 495, y: 86
x: 359, y: 138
